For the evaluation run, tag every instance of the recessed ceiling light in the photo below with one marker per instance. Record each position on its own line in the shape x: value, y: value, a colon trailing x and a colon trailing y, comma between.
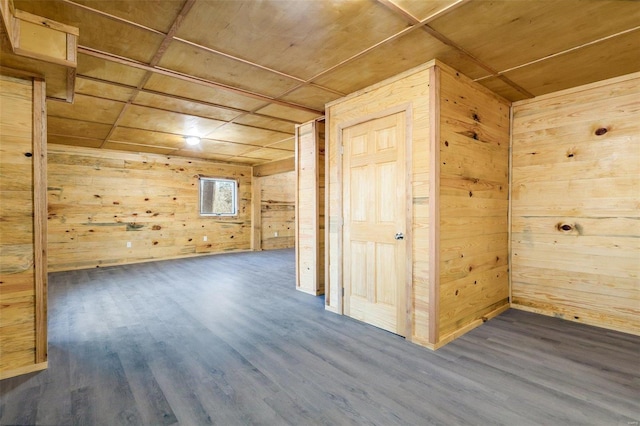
x: 192, y: 140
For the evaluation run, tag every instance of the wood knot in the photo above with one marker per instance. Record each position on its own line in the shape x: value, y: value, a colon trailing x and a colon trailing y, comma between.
x: 28, y: 154
x: 156, y: 227
x: 446, y: 143
x: 476, y: 118
x: 601, y: 131
x: 564, y: 227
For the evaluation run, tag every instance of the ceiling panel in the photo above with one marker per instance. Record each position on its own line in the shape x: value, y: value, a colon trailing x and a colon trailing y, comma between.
x: 201, y: 63
x: 147, y: 137
x: 500, y: 87
x: 282, y: 111
x: 184, y: 106
x: 177, y: 87
x: 266, y: 123
x: 121, y: 146
x: 97, y: 31
x: 294, y: 56
x: 223, y: 148
x: 530, y: 30
x: 593, y: 63
x: 102, y: 89
x: 395, y: 57
x: 68, y: 127
x: 109, y: 71
x: 246, y: 135
x: 288, y: 144
x: 74, y: 141
x: 156, y: 14
x: 268, y: 154
x: 248, y: 160
x: 86, y: 108
x: 311, y: 96
x: 300, y: 38
x: 165, y: 121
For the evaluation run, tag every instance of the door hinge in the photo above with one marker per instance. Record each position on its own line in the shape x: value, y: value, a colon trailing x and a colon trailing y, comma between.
x: 342, y: 291
x: 341, y: 149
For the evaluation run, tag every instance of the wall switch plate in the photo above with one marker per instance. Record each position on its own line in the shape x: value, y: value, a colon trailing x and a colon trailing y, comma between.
x: 276, y: 233
x: 204, y: 238
x: 128, y: 244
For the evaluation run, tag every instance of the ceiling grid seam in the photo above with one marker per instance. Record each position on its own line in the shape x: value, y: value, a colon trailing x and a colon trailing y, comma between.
x: 444, y: 39
x: 156, y: 58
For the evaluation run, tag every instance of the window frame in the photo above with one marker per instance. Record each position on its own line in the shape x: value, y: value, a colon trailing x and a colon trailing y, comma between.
x: 234, y: 195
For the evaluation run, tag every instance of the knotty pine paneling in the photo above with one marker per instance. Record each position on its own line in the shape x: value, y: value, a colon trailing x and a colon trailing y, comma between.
x: 575, y: 229
x: 458, y: 157
x: 409, y: 92
x: 310, y: 188
x: 277, y: 209
x: 473, y: 204
x: 23, y: 341
x: 99, y: 200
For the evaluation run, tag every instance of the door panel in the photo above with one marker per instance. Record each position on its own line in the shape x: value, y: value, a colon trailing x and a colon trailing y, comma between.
x: 374, y: 211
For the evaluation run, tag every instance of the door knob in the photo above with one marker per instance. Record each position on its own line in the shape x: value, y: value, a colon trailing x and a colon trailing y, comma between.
x: 399, y: 236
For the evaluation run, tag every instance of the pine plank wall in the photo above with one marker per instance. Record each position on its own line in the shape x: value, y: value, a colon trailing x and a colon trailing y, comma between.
x: 575, y: 230
x: 574, y: 227
x: 100, y: 200
x: 277, y: 207
x: 23, y: 329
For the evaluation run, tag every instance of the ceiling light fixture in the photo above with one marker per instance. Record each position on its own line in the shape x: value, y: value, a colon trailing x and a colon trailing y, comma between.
x: 192, y: 140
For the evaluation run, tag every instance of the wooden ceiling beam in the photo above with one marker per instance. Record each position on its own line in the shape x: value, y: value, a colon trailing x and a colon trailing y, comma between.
x: 447, y: 41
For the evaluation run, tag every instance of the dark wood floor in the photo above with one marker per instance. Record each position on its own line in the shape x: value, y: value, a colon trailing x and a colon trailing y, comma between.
x: 227, y: 340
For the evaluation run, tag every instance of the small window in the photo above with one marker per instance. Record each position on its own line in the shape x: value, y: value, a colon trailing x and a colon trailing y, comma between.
x: 218, y: 197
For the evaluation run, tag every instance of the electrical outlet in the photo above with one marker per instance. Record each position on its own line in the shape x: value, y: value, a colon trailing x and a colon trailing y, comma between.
x: 276, y: 233
x: 204, y: 238
x: 128, y: 244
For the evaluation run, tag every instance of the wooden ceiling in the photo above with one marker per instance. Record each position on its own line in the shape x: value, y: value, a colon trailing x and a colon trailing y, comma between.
x: 240, y: 74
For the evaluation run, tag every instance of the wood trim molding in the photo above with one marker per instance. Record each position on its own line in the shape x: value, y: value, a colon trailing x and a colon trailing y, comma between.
x: 23, y: 370
x: 40, y: 217
x: 256, y: 214
x: 434, y: 204
x: 408, y: 152
x: 401, y: 108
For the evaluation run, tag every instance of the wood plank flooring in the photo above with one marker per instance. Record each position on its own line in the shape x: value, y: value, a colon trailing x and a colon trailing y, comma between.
x: 227, y: 340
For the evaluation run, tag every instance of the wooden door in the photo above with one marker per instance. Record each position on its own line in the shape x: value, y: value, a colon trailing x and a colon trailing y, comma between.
x: 374, y: 212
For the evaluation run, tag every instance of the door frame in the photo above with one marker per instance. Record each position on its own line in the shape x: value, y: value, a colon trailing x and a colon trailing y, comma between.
x: 407, y: 109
